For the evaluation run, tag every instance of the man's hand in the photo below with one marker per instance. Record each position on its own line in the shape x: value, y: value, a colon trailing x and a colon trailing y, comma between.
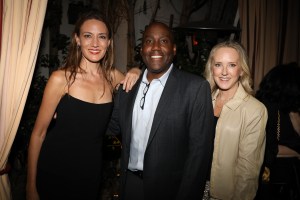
x: 130, y: 79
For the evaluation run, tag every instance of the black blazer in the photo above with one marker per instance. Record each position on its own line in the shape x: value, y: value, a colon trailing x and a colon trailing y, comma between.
x: 180, y: 144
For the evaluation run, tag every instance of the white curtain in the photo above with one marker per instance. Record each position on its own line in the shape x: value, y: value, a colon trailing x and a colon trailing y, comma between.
x: 22, y: 22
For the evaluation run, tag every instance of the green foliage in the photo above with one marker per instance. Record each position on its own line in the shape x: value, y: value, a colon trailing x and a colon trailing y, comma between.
x: 184, y: 61
x: 53, y: 61
x: 32, y: 104
x: 21, y: 142
x: 138, y: 58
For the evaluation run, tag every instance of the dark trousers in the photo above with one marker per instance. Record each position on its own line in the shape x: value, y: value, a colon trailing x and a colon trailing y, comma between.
x: 134, y: 189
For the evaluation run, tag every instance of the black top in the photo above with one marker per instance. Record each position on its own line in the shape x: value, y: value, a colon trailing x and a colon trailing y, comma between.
x: 70, y: 160
x: 288, y: 135
x: 209, y: 169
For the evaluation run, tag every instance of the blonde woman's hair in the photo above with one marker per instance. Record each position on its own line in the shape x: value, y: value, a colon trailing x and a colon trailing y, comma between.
x: 245, y: 78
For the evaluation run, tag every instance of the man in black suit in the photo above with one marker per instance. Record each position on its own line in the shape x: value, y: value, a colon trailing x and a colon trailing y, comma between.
x: 167, y: 127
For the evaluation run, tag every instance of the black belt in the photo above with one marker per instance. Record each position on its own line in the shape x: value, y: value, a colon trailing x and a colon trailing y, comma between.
x: 138, y: 173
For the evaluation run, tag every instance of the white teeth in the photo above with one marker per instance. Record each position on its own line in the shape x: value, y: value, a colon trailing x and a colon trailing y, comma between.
x: 224, y: 79
x: 156, y: 56
x: 94, y: 51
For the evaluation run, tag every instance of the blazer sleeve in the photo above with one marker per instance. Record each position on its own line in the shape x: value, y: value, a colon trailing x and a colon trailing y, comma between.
x: 251, y: 153
x: 114, y: 124
x: 201, y: 133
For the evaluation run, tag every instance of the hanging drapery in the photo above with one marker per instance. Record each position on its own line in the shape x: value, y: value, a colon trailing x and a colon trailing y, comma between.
x: 270, y: 34
x: 291, y: 44
x: 22, y: 23
x: 1, y: 12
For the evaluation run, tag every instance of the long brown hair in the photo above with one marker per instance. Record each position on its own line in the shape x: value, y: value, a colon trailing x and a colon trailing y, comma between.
x: 73, y: 59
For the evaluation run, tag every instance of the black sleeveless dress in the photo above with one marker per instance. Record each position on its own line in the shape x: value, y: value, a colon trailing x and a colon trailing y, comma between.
x: 69, y: 166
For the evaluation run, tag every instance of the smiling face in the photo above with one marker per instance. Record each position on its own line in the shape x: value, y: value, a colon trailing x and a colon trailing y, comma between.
x: 93, y: 40
x: 226, y: 69
x: 158, y: 49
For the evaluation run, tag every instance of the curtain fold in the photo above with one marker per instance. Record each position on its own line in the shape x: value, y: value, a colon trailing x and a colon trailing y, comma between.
x: 291, y: 46
x: 22, y: 23
x: 270, y: 34
x: 1, y: 12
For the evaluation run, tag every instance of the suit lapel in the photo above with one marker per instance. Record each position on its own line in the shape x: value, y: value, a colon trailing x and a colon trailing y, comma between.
x: 162, y: 107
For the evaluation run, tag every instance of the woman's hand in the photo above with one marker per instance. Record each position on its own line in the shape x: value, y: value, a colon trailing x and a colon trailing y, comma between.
x: 130, y: 79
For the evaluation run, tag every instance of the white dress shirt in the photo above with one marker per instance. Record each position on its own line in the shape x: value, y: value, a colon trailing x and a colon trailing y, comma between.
x: 142, y: 118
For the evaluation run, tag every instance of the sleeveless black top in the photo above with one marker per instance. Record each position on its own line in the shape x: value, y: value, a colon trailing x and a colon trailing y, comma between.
x: 69, y: 165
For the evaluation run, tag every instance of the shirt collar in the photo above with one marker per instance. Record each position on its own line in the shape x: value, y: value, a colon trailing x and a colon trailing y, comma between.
x: 163, y: 79
x: 239, y: 96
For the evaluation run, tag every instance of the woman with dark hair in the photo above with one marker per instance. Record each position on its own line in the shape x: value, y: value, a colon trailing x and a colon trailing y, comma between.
x: 64, y: 161
x: 280, y: 92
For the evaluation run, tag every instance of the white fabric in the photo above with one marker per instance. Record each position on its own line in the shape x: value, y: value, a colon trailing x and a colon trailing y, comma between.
x: 142, y: 118
x: 21, y: 32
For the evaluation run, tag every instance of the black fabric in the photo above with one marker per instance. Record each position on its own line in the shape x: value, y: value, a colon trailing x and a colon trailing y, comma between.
x: 134, y: 189
x: 209, y: 168
x: 279, y: 167
x: 288, y: 136
x: 178, y: 151
x: 284, y: 181
x: 69, y: 165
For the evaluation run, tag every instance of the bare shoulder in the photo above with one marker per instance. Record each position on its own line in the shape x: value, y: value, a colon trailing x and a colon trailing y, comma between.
x: 57, y: 81
x: 58, y: 76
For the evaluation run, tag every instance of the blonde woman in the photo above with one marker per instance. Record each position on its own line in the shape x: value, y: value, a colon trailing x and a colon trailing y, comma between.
x: 240, y: 124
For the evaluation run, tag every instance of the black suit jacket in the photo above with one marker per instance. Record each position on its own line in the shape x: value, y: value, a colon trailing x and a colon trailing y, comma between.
x: 180, y: 144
